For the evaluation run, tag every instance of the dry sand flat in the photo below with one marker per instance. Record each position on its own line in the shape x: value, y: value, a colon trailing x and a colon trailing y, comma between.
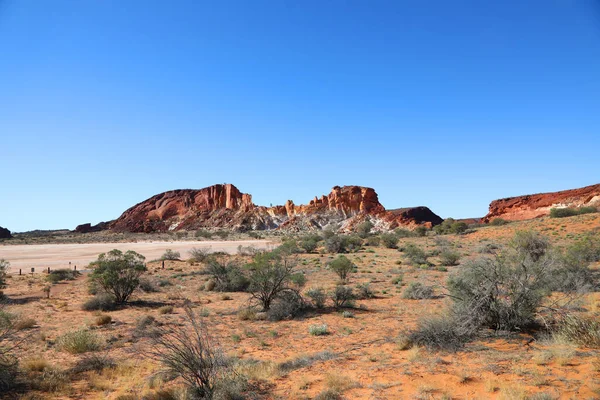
x: 59, y: 255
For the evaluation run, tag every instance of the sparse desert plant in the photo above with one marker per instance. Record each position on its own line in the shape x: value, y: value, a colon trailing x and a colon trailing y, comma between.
x: 170, y: 255
x: 118, y: 273
x: 4, y: 266
x: 147, y: 285
x: 342, y: 266
x: 270, y: 275
x: 100, y: 302
x: 203, y: 233
x: 226, y: 275
x: 247, y: 314
x: 317, y: 296
x: 449, y: 257
x: 581, y: 330
x: 498, y: 222
x: 570, y: 212
x: 166, y: 310
x: 190, y: 352
x: 343, y: 243
x: 364, y: 229
x: 9, y: 343
x: 418, y: 291
x: 415, y: 255
x: 200, y: 254
x: 287, y: 305
x: 421, y: 231
x: 441, y: 332
x: 389, y: 240
x: 80, y: 341
x: 102, y: 319
x: 364, y: 291
x: 343, y: 296
x: 318, y: 330
x: 450, y: 225
x: 59, y: 275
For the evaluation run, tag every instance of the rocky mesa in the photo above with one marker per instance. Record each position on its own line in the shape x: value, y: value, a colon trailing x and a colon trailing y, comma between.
x: 538, y: 205
x: 5, y: 233
x: 224, y: 206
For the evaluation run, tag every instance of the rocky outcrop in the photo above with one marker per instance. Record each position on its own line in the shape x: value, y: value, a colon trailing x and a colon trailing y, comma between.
x: 5, y: 233
x: 224, y: 206
x: 538, y: 205
x: 87, y: 228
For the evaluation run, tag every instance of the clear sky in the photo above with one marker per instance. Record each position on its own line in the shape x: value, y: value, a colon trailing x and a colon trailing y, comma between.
x: 449, y: 104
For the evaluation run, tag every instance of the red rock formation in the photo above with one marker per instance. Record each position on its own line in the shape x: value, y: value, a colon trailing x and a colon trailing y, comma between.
x: 537, y: 205
x: 225, y: 206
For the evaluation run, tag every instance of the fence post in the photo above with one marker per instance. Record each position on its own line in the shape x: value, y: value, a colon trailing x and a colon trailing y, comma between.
x: 48, y: 269
x: 19, y: 271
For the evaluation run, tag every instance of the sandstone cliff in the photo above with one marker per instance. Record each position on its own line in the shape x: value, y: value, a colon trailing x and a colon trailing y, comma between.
x: 537, y: 205
x: 224, y: 206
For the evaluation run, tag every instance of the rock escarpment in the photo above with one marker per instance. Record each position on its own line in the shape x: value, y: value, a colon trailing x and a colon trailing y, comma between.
x: 538, y: 205
x: 224, y: 206
x: 5, y: 233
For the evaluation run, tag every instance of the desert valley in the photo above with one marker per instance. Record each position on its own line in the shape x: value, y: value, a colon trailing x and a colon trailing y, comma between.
x: 210, y: 296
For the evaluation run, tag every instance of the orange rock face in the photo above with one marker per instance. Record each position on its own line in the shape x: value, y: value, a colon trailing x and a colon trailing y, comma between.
x: 537, y: 205
x: 225, y: 206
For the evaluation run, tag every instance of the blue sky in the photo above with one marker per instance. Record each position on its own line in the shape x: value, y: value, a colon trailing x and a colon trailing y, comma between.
x: 446, y: 104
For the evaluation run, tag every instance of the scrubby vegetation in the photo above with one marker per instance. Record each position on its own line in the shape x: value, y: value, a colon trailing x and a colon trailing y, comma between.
x: 571, y: 212
x: 118, y: 273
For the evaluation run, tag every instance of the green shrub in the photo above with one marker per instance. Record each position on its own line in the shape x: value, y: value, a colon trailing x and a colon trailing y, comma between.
x: 570, y: 212
x: 77, y: 342
x: 227, y: 275
x: 270, y: 276
x: 389, y: 240
x: 342, y: 266
x: 415, y: 255
x: 202, y: 233
x: 343, y: 296
x: 418, y: 291
x: 440, y: 332
x: 287, y: 305
x: 449, y: 257
x: 421, y: 231
x: 4, y: 266
x: 450, y: 225
x: 318, y: 330
x: 498, y: 222
x: 309, y: 243
x: 364, y: 229
x: 343, y: 243
x: 317, y: 296
x: 118, y: 273
x: 59, y: 275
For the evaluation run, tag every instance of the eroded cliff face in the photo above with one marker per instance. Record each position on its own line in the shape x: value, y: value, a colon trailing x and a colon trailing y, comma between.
x: 538, y: 205
x: 224, y: 206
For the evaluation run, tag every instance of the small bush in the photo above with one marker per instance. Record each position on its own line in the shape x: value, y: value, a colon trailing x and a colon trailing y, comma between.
x: 498, y: 222
x: 403, y: 233
x: 421, y: 231
x: 147, y: 286
x: 317, y: 296
x: 166, y: 310
x: 440, y: 332
x: 59, y: 275
x: 583, y: 331
x: 415, y: 255
x: 449, y: 257
x: 100, y: 302
x: 93, y: 362
x: 77, y: 342
x: 24, y: 323
x: 342, y: 266
x: 318, y: 330
x: 286, y: 306
x: 347, y: 314
x: 389, y: 240
x: 343, y: 243
x: 227, y: 275
x: 102, y: 319
x: 343, y: 296
x: 449, y: 226
x: 364, y: 229
x: 202, y: 233
x: 170, y: 255
x: 373, y: 241
x: 418, y: 291
x: 199, y: 254
x: 364, y: 291
x: 247, y: 314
